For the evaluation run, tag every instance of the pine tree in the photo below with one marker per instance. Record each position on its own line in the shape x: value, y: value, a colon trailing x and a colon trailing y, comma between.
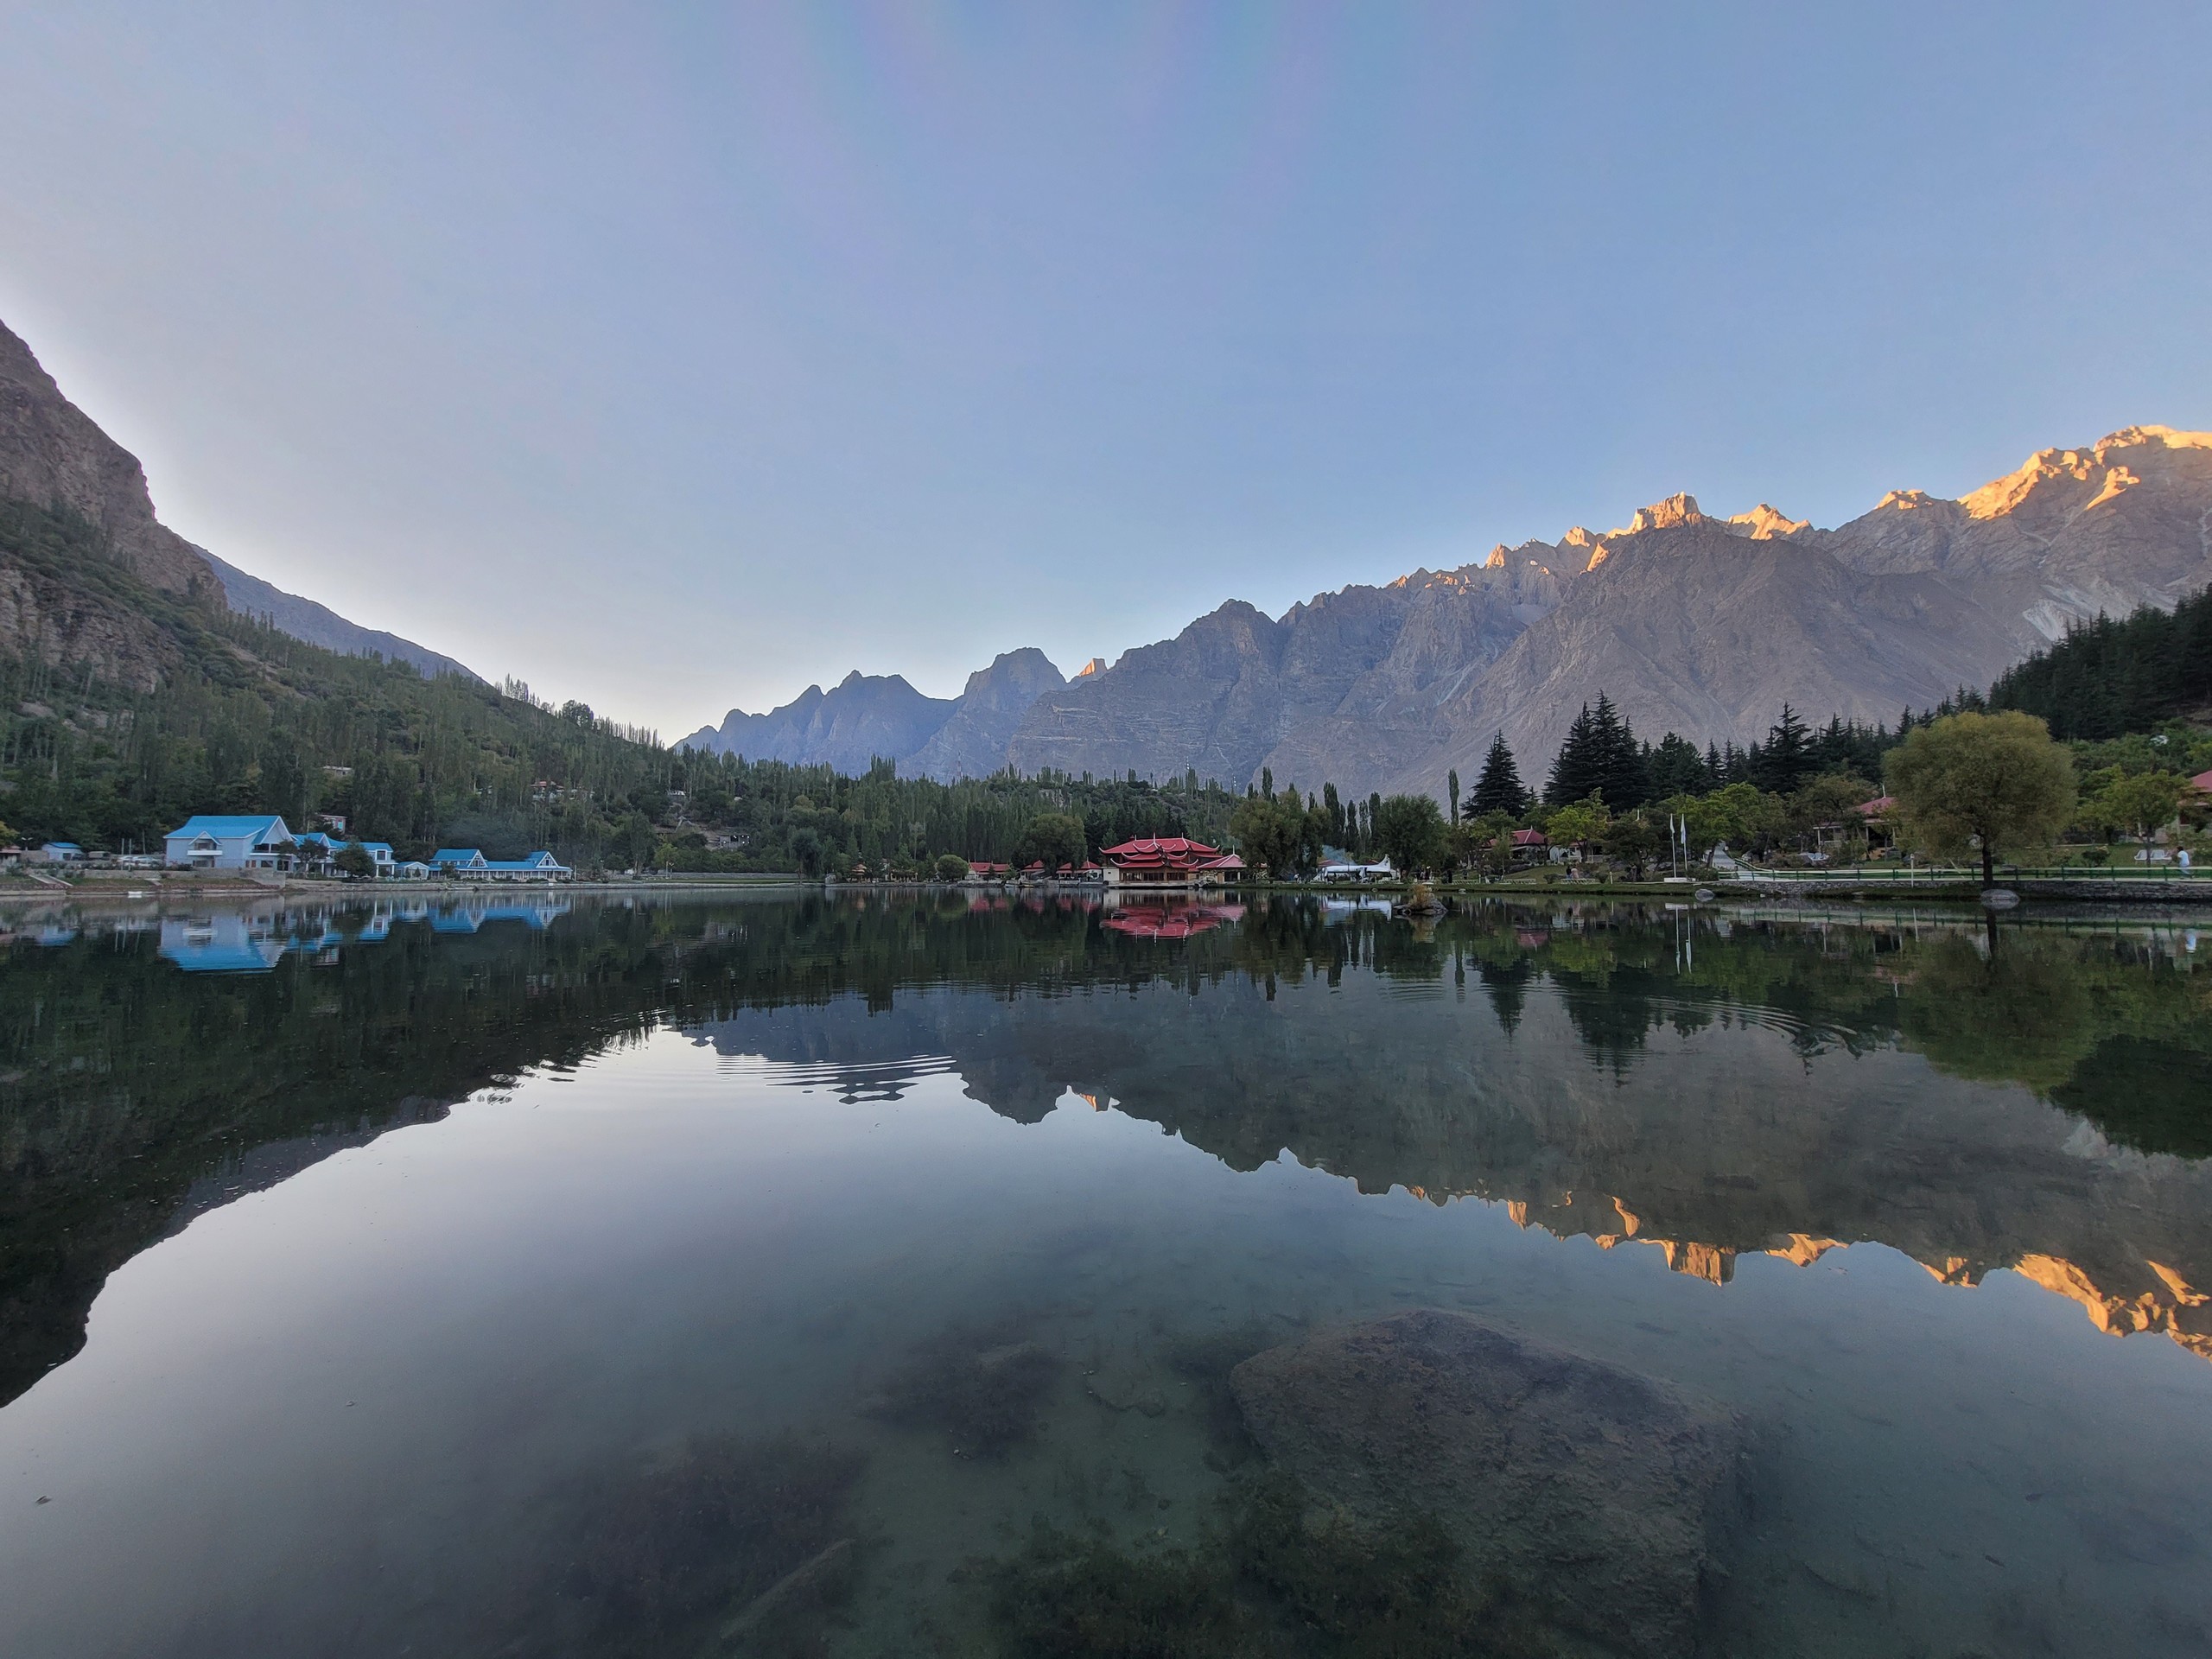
x: 1787, y: 760
x: 1621, y: 777
x: 1451, y: 784
x: 1576, y: 770
x: 1499, y: 789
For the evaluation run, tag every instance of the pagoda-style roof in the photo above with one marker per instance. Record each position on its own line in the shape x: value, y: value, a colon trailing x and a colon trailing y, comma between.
x: 1175, y: 853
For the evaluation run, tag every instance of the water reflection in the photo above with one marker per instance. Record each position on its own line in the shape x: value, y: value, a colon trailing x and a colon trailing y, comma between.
x: 1749, y: 1094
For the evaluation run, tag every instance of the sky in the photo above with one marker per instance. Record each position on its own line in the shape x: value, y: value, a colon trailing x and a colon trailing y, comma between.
x: 675, y: 357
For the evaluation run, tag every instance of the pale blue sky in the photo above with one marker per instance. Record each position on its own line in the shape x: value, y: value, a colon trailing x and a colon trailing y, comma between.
x: 675, y: 357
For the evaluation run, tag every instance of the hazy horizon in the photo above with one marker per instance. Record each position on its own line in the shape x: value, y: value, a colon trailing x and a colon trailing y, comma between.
x: 678, y: 362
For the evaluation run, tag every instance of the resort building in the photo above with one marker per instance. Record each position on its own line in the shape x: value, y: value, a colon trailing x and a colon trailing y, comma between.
x: 260, y: 842
x: 1168, y: 861
x: 470, y: 864
x: 60, y: 852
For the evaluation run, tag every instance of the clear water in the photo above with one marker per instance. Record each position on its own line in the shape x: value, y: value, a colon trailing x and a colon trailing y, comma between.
x: 361, y: 1268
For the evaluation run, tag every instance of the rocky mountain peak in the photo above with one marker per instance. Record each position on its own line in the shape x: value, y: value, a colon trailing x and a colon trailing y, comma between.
x: 1670, y: 514
x: 1765, y: 524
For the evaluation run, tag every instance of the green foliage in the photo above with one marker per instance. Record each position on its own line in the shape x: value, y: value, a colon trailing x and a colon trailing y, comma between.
x: 1598, y: 758
x: 1052, y: 839
x: 1992, y: 782
x: 2107, y: 677
x: 1279, y: 833
x: 1580, y: 823
x: 1499, y: 789
x: 1410, y: 832
x: 2133, y: 803
x: 352, y: 859
x: 949, y: 866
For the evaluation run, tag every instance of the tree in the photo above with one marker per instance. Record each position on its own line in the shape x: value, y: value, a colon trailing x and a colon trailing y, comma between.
x: 1676, y: 768
x: 637, y: 841
x: 1452, y: 796
x: 1280, y: 832
x: 1052, y: 839
x: 1409, y: 830
x: 1992, y: 781
x: 1579, y: 823
x: 2140, y: 803
x: 352, y: 859
x: 1786, y: 759
x: 1499, y: 789
x: 1637, y: 839
x: 950, y: 866
x: 1599, y: 757
x: 1492, y: 836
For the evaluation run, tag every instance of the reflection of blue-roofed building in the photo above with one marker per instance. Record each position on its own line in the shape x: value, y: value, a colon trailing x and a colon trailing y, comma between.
x: 220, y: 945
x: 466, y: 919
x: 228, y: 843
x: 458, y: 860
x: 51, y: 933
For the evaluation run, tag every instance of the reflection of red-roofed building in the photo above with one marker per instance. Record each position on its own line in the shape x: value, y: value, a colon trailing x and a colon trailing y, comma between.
x: 1168, y: 861
x: 1168, y: 921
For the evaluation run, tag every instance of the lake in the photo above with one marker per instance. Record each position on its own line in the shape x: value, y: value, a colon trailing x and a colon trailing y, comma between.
x: 916, y: 1274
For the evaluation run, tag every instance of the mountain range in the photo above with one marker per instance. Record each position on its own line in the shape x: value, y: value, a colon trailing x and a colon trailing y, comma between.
x: 1694, y: 624
x: 54, y: 455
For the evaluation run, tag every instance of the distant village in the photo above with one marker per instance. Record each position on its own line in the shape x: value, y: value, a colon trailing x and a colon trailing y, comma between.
x: 264, y: 841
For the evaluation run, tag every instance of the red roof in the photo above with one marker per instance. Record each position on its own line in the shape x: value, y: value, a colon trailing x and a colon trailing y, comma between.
x: 1530, y: 838
x: 2203, y: 781
x: 1176, y: 853
x: 1881, y: 804
x: 1169, y: 921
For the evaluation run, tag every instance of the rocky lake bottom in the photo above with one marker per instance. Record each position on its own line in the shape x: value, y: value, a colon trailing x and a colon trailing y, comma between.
x: 961, y: 1275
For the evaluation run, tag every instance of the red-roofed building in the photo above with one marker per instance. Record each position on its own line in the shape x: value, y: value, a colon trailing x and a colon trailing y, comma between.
x: 1168, y: 861
x: 2202, y: 782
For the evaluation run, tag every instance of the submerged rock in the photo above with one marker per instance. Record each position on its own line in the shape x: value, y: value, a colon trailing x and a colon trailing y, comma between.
x: 1593, y: 1494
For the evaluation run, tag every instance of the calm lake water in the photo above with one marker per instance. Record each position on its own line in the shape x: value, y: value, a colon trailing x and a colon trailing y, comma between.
x: 865, y: 1276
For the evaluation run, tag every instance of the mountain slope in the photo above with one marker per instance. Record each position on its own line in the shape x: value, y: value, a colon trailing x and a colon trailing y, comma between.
x: 972, y: 742
x: 861, y: 718
x: 1696, y: 624
x: 54, y: 458
x: 319, y: 626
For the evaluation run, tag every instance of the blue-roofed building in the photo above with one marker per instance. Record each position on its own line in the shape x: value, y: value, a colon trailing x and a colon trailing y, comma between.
x: 257, y: 842
x: 61, y: 852
x: 538, y: 867
x: 458, y: 860
x: 317, y: 847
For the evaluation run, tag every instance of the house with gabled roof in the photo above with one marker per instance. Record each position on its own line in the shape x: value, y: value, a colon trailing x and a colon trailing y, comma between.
x: 1167, y: 862
x: 216, y: 842
x: 458, y: 860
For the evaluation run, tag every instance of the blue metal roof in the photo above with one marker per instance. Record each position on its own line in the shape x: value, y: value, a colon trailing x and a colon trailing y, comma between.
x: 456, y: 855
x: 225, y: 829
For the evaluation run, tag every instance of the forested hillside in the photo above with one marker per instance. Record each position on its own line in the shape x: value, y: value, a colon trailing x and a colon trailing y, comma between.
x: 2108, y: 677
x: 196, y: 708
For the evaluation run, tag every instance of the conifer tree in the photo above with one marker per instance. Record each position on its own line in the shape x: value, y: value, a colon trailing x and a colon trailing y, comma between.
x: 1499, y: 789
x: 1576, y: 769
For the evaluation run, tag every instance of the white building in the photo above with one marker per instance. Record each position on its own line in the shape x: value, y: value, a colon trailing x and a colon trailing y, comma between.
x: 227, y: 844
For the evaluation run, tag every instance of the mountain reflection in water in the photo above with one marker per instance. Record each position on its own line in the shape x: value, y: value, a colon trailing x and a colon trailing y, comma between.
x: 2033, y: 1096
